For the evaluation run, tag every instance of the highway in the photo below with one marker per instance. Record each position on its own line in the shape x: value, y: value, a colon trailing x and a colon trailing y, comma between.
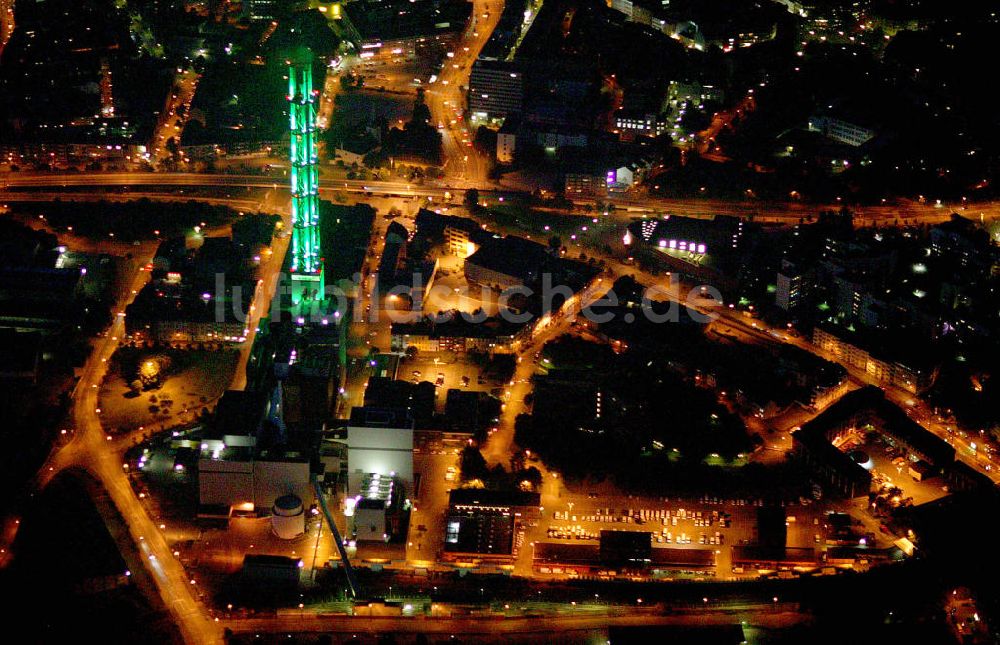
x: 905, y: 212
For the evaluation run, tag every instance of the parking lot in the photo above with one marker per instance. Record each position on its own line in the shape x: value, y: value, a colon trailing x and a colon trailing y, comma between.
x: 447, y: 370
x: 432, y: 459
x: 452, y: 291
x: 579, y: 516
x: 892, y: 467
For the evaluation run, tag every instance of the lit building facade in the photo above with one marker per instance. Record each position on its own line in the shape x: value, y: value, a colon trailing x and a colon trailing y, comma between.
x: 887, y: 371
x: 841, y: 131
x: 496, y: 90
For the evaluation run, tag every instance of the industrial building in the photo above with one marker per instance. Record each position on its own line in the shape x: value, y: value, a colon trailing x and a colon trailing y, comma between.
x: 773, y: 557
x: 379, y: 441
x: 233, y: 475
x: 246, y: 462
x: 276, y: 572
x: 376, y: 511
x: 288, y: 517
x: 482, y: 524
x: 620, y: 553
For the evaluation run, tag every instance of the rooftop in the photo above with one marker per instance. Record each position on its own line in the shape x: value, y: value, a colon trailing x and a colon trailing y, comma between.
x: 511, y: 255
x: 495, y: 498
x: 372, y: 417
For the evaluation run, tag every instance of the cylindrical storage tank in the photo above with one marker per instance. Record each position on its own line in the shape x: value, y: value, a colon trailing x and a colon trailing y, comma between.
x: 288, y: 517
x: 861, y: 458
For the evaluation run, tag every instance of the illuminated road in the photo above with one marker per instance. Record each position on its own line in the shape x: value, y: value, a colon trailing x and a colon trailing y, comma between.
x: 446, y: 99
x: 90, y: 449
x: 328, y: 97
x: 172, y: 120
x: 267, y: 284
x: 6, y: 22
x: 367, y: 330
x: 498, y: 448
x: 905, y: 212
x: 720, y: 121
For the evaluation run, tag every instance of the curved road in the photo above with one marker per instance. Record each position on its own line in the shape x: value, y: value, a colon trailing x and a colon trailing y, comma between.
x: 89, y: 449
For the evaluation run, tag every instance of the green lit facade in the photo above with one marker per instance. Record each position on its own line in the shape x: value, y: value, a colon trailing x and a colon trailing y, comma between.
x: 306, y: 263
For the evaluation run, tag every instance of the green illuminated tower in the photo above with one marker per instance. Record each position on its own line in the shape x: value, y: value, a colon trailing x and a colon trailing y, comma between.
x: 306, y: 263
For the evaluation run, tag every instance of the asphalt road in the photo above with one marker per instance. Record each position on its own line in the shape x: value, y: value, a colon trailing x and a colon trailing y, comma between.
x: 6, y: 22
x: 90, y: 449
x: 170, y: 124
x: 904, y: 212
x: 446, y: 99
x: 267, y: 284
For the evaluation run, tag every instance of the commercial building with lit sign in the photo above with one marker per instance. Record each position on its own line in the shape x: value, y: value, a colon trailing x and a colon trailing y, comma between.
x: 688, y: 235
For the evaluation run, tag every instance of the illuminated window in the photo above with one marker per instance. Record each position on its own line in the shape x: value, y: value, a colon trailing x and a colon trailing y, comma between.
x: 451, y: 533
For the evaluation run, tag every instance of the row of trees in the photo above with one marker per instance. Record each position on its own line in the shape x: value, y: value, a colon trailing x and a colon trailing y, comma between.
x: 475, y: 471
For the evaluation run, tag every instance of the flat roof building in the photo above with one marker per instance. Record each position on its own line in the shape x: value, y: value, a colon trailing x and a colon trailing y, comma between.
x: 581, y: 559
x: 379, y: 441
x: 774, y: 557
x: 496, y: 89
x: 506, y: 262
x: 481, y: 524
